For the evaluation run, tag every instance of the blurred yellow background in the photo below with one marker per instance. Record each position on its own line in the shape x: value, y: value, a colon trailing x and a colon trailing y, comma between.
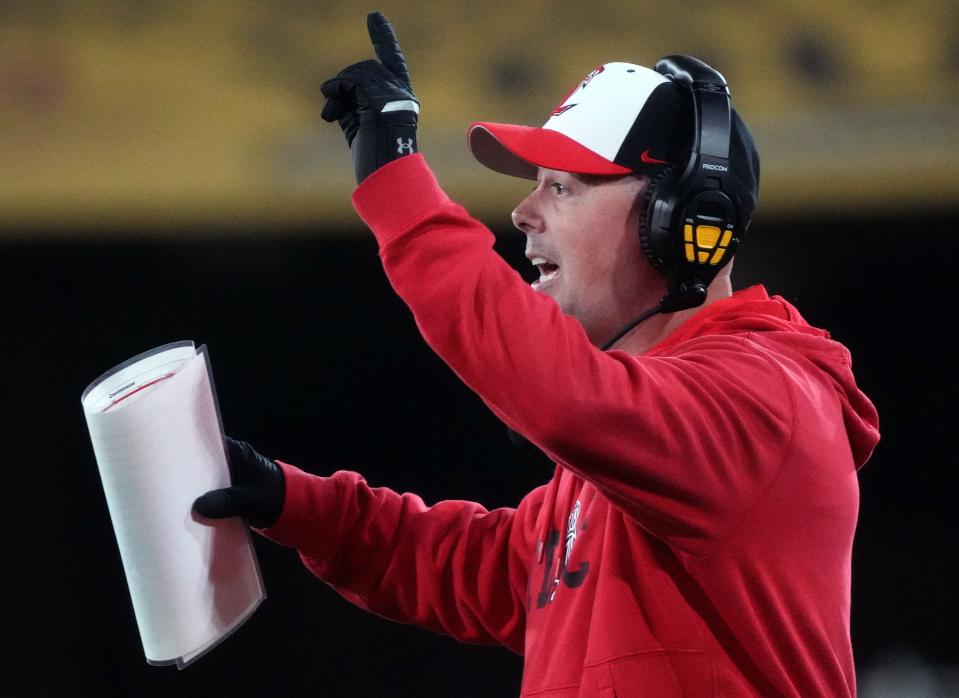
x: 165, y: 114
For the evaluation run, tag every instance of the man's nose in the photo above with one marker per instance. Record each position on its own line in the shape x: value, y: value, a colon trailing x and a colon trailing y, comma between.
x: 525, y: 216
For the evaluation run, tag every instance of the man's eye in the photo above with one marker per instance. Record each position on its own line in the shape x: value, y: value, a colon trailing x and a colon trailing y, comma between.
x: 559, y: 188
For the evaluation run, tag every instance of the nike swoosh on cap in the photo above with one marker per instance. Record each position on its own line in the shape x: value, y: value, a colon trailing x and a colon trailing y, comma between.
x: 649, y: 160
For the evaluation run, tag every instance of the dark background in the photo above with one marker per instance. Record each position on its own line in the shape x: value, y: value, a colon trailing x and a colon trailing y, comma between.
x: 319, y: 364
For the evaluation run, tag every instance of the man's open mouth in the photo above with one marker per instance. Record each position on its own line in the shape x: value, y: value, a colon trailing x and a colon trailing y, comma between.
x: 548, y: 270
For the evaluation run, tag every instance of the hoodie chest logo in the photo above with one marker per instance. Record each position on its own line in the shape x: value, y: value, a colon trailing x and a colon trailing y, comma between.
x: 556, y: 564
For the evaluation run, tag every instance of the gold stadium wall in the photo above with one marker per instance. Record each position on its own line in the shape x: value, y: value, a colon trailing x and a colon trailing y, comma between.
x: 165, y: 114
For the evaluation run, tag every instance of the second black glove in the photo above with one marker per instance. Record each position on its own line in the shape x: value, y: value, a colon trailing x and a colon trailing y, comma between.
x: 257, y: 491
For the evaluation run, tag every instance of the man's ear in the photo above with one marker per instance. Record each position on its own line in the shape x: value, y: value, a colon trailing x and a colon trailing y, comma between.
x: 639, y: 203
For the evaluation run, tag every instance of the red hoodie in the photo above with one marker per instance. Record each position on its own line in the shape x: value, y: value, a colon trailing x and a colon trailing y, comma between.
x: 695, y: 539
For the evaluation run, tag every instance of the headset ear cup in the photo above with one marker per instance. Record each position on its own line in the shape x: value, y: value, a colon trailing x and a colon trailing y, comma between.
x: 656, y: 248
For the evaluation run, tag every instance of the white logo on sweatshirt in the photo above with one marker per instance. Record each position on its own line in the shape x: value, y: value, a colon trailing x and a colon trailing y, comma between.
x: 401, y: 146
x: 571, y: 532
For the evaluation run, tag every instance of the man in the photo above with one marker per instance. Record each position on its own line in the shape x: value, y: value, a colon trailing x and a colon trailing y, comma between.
x: 695, y: 538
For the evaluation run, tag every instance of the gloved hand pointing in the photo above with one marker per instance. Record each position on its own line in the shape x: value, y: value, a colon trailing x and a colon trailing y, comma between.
x: 257, y: 491
x: 373, y: 102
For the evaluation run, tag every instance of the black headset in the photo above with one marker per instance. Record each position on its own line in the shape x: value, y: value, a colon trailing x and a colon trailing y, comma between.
x: 692, y: 224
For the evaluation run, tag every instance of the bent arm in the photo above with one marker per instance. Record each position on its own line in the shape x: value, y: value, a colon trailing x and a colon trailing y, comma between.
x: 454, y: 568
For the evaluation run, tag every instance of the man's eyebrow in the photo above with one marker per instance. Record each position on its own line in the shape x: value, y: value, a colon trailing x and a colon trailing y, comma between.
x: 601, y: 178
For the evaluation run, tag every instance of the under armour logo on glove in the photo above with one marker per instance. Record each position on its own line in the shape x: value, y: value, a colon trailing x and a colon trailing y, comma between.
x: 407, y: 147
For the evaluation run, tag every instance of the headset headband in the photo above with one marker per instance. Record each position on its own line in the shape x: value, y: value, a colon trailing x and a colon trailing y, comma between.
x: 709, y: 153
x: 692, y: 218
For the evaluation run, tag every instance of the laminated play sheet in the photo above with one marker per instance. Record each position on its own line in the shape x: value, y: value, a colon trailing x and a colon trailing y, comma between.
x: 158, y: 441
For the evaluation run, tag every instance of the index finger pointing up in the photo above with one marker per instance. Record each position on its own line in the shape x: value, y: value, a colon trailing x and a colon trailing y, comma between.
x: 386, y: 46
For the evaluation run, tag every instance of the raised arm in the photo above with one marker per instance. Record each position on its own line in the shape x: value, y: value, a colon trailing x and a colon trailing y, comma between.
x: 662, y: 436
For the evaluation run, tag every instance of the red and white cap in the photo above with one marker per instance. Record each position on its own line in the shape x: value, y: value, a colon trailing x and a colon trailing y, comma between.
x: 621, y: 118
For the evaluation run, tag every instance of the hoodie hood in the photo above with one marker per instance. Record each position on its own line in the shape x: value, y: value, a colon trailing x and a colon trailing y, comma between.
x: 753, y: 311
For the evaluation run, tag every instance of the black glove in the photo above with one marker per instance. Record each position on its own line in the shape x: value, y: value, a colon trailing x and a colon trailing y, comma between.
x: 374, y: 103
x: 256, y: 493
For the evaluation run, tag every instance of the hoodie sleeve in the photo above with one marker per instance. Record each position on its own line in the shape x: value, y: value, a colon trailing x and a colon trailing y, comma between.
x: 682, y: 443
x: 453, y: 568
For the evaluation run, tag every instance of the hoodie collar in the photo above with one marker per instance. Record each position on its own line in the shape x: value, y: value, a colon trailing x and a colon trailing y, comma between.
x: 752, y: 310
x: 695, y: 325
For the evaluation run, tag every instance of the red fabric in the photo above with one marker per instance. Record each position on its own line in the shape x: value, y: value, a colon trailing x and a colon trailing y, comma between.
x: 701, y: 517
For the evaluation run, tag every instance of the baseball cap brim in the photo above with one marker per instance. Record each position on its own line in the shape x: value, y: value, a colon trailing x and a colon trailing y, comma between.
x: 519, y: 150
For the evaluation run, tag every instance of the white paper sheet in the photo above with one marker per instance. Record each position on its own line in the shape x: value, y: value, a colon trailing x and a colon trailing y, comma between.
x: 158, y: 440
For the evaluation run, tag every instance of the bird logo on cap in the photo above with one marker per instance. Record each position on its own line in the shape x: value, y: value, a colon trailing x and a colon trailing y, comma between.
x: 565, y: 107
x: 593, y: 74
